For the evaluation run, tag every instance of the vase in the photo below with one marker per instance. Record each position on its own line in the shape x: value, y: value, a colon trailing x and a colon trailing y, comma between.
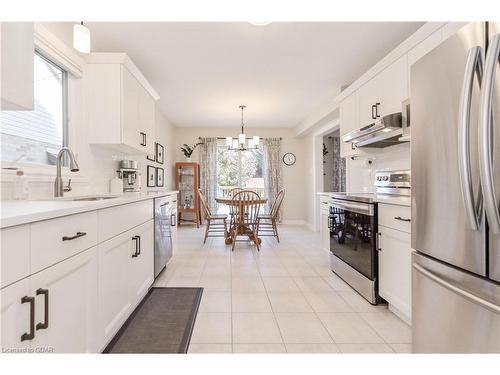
x: 188, y: 159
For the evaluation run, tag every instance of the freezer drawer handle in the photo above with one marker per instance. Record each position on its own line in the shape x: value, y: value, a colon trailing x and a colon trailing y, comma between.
x: 402, y: 219
x: 31, y: 334
x: 474, y: 67
x: 45, y: 293
x: 471, y: 297
x: 77, y: 235
x: 486, y: 135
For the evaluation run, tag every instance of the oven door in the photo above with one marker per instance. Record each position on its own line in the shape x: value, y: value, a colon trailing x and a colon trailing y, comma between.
x: 352, y: 235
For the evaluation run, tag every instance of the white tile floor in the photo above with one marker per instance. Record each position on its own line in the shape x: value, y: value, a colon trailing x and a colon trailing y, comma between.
x: 281, y: 299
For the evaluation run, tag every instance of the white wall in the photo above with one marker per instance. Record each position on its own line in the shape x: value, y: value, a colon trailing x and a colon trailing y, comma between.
x: 294, y: 177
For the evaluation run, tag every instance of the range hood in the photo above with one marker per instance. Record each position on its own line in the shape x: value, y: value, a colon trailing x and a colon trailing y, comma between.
x: 383, y: 133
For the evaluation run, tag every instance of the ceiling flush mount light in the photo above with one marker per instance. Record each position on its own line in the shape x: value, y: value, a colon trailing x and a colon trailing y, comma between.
x: 81, y: 38
x: 241, y: 143
x: 260, y: 23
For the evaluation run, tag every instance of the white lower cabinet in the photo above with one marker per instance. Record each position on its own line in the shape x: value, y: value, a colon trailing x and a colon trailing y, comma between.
x: 64, y: 302
x: 67, y: 305
x: 124, y: 276
x: 325, y: 231
x: 16, y: 301
x: 395, y: 270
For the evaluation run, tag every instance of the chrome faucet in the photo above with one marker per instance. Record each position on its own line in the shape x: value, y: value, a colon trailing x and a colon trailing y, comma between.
x: 59, y: 187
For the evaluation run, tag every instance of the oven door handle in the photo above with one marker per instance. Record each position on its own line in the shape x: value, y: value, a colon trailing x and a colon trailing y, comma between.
x: 366, y: 209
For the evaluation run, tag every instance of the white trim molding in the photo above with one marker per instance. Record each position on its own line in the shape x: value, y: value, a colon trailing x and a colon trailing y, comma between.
x: 56, y: 50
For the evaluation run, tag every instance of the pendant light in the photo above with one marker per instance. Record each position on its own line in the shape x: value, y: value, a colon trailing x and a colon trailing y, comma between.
x: 81, y: 38
x: 240, y: 143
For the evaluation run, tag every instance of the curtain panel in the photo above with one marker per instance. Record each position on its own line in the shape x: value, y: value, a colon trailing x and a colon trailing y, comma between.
x: 208, y: 170
x: 273, y: 171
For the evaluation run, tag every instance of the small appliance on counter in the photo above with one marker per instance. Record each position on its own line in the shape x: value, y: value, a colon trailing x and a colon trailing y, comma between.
x: 130, y: 176
x: 353, y: 231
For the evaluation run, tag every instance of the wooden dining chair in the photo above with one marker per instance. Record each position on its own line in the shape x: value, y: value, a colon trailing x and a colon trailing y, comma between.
x: 216, y: 224
x: 247, y: 205
x: 267, y: 223
x: 233, y: 209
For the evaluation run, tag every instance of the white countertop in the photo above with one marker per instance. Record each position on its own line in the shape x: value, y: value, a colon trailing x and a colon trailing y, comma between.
x: 23, y: 212
x: 382, y: 198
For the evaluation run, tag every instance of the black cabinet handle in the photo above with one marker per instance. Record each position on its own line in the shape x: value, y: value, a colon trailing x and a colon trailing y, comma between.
x: 31, y: 334
x: 136, y: 239
x: 143, y: 143
x: 373, y: 112
x: 45, y: 293
x: 139, y: 238
x: 377, y: 239
x: 376, y: 110
x: 402, y: 219
x: 77, y: 235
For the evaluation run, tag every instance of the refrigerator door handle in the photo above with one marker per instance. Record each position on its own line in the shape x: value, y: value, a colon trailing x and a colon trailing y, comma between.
x: 474, y: 67
x: 486, y: 141
x: 461, y: 292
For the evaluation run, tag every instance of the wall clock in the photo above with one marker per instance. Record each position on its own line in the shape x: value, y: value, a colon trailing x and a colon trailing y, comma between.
x: 289, y: 159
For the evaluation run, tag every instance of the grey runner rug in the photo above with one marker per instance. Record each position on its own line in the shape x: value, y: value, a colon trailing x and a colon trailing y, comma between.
x: 162, y: 323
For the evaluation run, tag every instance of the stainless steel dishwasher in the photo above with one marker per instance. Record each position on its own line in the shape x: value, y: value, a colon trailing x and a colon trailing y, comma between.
x: 165, y: 221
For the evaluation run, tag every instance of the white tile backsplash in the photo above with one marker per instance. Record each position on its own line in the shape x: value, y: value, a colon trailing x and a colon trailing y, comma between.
x: 361, y: 174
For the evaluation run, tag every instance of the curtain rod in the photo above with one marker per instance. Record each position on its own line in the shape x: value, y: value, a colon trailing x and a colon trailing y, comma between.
x: 246, y: 138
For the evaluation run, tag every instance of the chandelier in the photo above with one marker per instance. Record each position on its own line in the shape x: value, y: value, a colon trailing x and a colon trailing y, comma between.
x: 241, y: 143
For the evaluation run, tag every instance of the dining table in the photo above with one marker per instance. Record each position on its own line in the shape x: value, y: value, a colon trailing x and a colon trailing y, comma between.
x: 239, y: 224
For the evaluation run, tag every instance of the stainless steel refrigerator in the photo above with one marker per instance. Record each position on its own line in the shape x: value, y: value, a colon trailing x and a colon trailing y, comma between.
x: 455, y: 156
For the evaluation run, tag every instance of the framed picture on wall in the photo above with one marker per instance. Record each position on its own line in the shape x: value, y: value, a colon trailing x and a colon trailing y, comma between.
x: 151, y: 176
x: 160, y: 176
x: 150, y: 157
x: 159, y: 153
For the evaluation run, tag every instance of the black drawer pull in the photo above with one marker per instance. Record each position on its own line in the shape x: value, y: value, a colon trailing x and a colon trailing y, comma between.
x: 77, y: 235
x: 136, y: 239
x: 401, y: 219
x: 31, y: 334
x: 45, y: 323
x: 143, y: 143
x: 139, y: 238
x: 376, y: 110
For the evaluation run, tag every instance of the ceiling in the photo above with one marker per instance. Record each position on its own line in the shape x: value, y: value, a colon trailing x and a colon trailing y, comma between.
x: 282, y: 72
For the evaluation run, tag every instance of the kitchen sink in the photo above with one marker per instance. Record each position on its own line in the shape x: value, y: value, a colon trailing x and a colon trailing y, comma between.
x: 88, y: 198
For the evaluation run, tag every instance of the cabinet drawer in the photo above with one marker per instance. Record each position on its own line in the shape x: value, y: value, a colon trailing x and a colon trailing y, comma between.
x: 395, y: 217
x: 118, y: 219
x: 57, y: 239
x: 15, y: 254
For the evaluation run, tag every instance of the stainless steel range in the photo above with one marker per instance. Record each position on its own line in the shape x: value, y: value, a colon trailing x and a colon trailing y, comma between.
x: 353, y: 231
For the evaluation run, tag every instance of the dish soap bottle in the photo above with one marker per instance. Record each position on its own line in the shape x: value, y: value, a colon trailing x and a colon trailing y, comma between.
x: 21, y: 191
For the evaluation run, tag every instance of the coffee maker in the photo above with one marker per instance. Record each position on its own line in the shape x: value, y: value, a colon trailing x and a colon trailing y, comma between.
x: 130, y: 175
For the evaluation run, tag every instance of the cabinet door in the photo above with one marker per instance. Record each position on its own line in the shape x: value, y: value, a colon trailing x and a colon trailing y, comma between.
x: 141, y: 273
x: 395, y: 269
x: 147, y: 119
x: 114, y: 274
x: 325, y: 231
x: 393, y: 85
x: 67, y: 305
x: 368, y: 95
x: 131, y: 128
x: 17, y: 57
x: 15, y: 316
x: 348, y: 122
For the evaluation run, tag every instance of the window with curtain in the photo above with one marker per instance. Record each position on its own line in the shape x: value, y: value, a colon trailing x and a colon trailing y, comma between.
x: 37, y: 136
x: 239, y: 169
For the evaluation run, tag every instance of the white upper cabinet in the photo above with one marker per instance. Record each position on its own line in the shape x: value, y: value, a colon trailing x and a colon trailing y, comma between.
x: 369, y: 96
x: 393, y: 87
x: 348, y: 122
x: 121, y: 104
x: 17, y: 56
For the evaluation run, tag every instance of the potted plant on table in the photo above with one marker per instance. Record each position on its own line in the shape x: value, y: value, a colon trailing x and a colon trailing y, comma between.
x: 188, y: 150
